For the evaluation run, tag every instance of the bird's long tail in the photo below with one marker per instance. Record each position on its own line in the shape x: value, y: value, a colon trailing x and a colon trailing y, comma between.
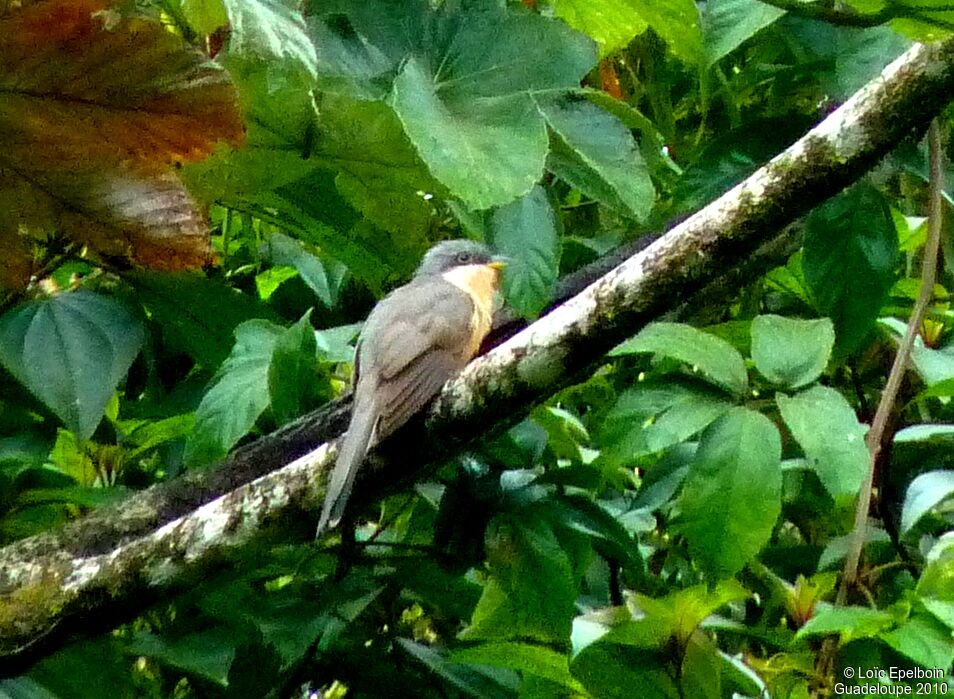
x: 352, y: 448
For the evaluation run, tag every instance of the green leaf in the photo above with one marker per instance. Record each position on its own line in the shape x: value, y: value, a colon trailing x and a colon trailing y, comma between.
x: 197, y: 315
x: 932, y: 22
x: 611, y: 23
x: 150, y: 434
x: 594, y: 152
x: 207, y: 654
x: 23, y: 687
x: 337, y: 344
x: 71, y: 351
x: 678, y: 615
x: 612, y: 671
x: 102, y: 662
x: 322, y: 277
x: 609, y: 537
x: 459, y: 77
x: 789, y: 351
x: 253, y: 669
x: 861, y: 56
x: 730, y: 23
x: 848, y: 622
x: 713, y: 357
x: 486, y: 152
x: 924, y: 640
x: 850, y: 259
x: 651, y: 417
x: 291, y: 371
x: 567, y: 436
x: 677, y: 22
x: 238, y: 394
x: 925, y: 492
x: 833, y: 440
x: 378, y: 170
x: 475, y: 681
x: 732, y: 496
x: 77, y: 495
x: 701, y: 673
x: 360, y: 45
x: 926, y: 433
x: 273, y: 62
x: 525, y: 232
x: 466, y: 106
x: 521, y: 552
x: 205, y: 16
x: 936, y: 586
x: 271, y: 30
x: 535, y: 660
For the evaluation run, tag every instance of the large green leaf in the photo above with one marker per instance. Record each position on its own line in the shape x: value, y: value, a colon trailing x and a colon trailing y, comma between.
x: 612, y: 671
x: 848, y: 622
x: 102, y: 662
x: 207, y: 654
x: 611, y: 23
x: 361, y: 45
x: 729, y: 23
x: 464, y: 73
x: 678, y: 23
x: 272, y: 31
x: 522, y: 552
x: 378, y: 170
x: 324, y: 277
x: 477, y: 682
x: 701, y: 671
x: 530, y: 659
x: 269, y: 365
x: 924, y: 640
x: 525, y: 232
x: 790, y: 351
x: 593, y: 151
x: 205, y: 16
x: 732, y: 496
x: 828, y: 431
x: 237, y: 396
x: 676, y: 616
x: 712, y: 356
x: 850, y: 259
x: 291, y: 371
x: 487, y: 152
x: 273, y: 62
x: 653, y: 416
x: 71, y: 351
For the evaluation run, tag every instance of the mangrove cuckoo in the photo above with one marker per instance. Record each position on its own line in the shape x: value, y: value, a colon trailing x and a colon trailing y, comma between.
x: 417, y: 338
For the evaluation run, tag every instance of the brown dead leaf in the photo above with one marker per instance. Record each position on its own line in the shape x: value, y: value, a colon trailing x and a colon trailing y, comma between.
x: 96, y: 109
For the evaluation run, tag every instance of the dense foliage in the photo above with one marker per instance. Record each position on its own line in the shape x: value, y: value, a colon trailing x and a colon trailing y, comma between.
x: 672, y: 526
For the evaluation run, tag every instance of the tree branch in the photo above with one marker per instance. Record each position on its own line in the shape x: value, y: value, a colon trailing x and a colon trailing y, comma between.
x: 99, y: 570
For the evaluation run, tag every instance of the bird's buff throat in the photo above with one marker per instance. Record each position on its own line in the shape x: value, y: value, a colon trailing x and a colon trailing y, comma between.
x: 480, y: 283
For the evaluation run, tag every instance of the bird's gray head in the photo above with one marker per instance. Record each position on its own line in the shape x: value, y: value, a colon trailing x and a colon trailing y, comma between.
x: 453, y: 253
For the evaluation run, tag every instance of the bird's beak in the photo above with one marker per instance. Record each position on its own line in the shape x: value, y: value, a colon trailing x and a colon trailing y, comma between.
x: 498, y: 263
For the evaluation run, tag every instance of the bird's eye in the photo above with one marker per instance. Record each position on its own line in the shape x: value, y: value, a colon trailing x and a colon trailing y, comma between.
x: 463, y: 257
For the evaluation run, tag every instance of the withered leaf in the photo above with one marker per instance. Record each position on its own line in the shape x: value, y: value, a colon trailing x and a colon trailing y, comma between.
x: 96, y: 110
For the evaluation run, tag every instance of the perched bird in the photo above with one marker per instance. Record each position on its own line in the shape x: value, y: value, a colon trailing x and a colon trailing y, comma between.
x: 416, y: 339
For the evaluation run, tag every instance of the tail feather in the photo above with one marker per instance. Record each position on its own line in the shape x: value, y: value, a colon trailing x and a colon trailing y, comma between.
x: 352, y: 448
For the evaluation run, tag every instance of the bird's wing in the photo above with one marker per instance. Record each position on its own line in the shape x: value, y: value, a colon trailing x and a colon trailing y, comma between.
x: 424, y: 344
x: 409, y: 391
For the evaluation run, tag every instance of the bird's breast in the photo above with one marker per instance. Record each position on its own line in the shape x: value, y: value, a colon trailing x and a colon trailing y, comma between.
x: 480, y: 283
